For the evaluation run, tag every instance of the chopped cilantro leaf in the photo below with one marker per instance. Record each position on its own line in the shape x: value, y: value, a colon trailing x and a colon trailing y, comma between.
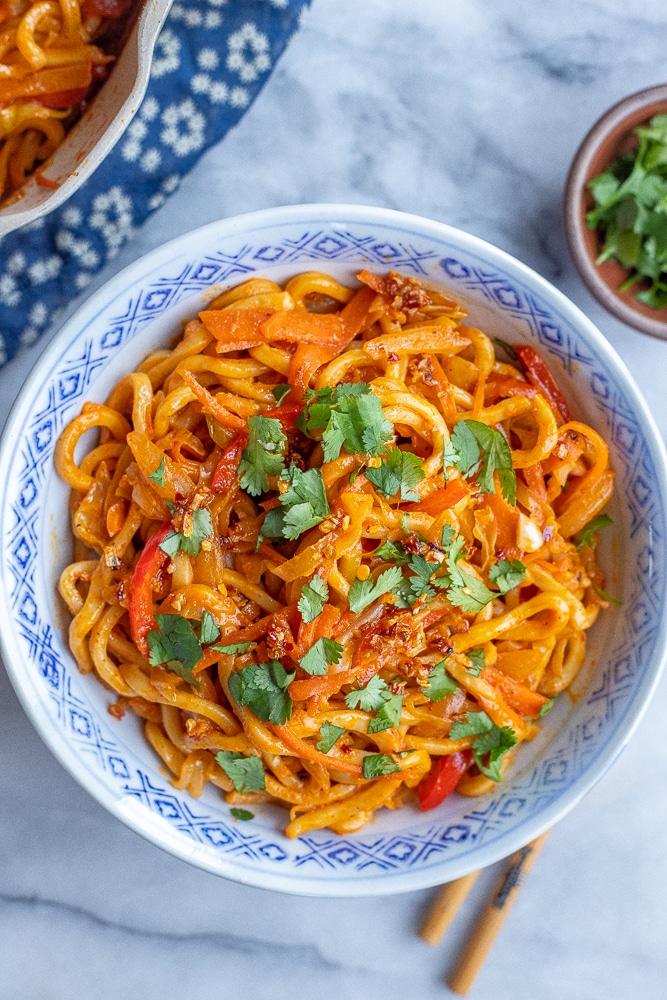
x: 320, y: 655
x: 350, y: 416
x: 209, y: 631
x: 607, y: 597
x: 465, y: 448
x: 158, y: 475
x: 547, y: 706
x: 175, y: 644
x: 440, y: 684
x: 304, y: 503
x: 329, y: 734
x: 482, y: 450
x: 507, y: 348
x: 202, y: 528
x: 272, y: 526
x: 398, y: 473
x: 263, y: 455
x: 477, y: 659
x: 495, y: 743
x: 242, y: 814
x: 232, y: 648
x: 313, y: 597
x: 507, y: 574
x: 245, y: 773
x: 369, y: 698
x: 280, y: 391
x: 465, y: 591
x: 388, y: 714
x: 447, y: 536
x: 392, y: 551
x: 450, y: 457
x: 421, y: 583
x: 263, y: 688
x: 377, y: 764
x: 364, y: 592
x: 629, y: 213
x: 585, y: 536
x: 471, y: 597
x: 489, y: 739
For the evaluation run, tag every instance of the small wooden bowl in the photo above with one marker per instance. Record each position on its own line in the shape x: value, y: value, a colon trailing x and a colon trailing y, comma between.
x: 611, y: 136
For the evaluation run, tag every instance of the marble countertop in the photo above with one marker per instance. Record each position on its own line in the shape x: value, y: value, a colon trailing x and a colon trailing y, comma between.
x: 468, y: 112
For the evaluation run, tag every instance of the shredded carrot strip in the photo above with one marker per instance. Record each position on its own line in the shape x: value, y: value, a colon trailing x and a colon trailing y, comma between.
x: 308, y: 752
x: 210, y: 403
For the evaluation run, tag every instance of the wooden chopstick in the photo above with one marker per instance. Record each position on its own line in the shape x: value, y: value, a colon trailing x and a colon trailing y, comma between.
x: 494, y: 915
x: 452, y: 896
x: 447, y: 904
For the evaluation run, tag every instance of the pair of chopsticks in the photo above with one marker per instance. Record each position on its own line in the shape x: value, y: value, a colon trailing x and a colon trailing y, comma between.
x: 452, y: 896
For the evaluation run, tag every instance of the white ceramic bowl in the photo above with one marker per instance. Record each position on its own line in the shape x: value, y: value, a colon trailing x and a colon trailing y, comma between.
x: 98, y: 130
x: 141, y: 309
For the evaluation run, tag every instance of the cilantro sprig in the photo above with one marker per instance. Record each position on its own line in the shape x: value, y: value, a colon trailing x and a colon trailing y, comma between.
x: 585, y: 536
x: 465, y: 591
x: 397, y: 475
x: 477, y: 659
x: 202, y: 528
x: 245, y: 773
x: 630, y: 213
x: 263, y: 456
x: 303, y: 504
x: 376, y: 696
x: 376, y: 765
x: 490, y: 744
x: 507, y: 574
x: 421, y: 582
x: 478, y: 451
x: 370, y: 697
x: 314, y: 595
x: 350, y: 416
x: 440, y: 683
x: 321, y: 656
x: 177, y: 645
x: 329, y: 735
x: 364, y: 592
x: 262, y: 687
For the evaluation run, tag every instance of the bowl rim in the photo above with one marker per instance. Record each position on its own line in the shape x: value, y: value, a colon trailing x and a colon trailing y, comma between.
x: 578, y: 175
x: 139, y: 47
x: 356, y: 884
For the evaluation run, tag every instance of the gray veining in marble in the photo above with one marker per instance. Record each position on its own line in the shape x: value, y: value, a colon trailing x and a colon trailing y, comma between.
x: 466, y: 112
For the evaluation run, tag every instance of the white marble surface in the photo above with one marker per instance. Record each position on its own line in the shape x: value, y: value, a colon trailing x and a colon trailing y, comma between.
x: 469, y: 112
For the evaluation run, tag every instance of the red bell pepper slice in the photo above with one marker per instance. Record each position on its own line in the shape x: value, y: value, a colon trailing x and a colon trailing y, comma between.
x: 150, y: 562
x: 538, y: 373
x: 63, y: 98
x: 286, y: 414
x: 108, y: 9
x: 227, y: 468
x: 443, y: 778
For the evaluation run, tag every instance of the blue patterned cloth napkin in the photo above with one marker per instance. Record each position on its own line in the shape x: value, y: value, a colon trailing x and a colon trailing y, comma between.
x: 211, y: 59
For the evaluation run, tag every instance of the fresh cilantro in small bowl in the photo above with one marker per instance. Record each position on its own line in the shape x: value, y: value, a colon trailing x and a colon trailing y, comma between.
x: 631, y: 213
x: 615, y: 210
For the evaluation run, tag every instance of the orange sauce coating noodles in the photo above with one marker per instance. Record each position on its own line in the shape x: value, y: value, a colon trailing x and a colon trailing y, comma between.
x: 328, y: 540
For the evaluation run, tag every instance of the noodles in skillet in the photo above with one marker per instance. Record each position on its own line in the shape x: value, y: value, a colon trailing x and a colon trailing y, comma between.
x: 333, y: 551
x: 53, y: 53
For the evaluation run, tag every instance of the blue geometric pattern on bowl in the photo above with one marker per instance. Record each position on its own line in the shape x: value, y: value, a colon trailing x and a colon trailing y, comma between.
x: 407, y: 849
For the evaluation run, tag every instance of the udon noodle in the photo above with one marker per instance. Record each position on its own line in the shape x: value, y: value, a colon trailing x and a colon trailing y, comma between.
x: 53, y: 55
x: 333, y: 549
